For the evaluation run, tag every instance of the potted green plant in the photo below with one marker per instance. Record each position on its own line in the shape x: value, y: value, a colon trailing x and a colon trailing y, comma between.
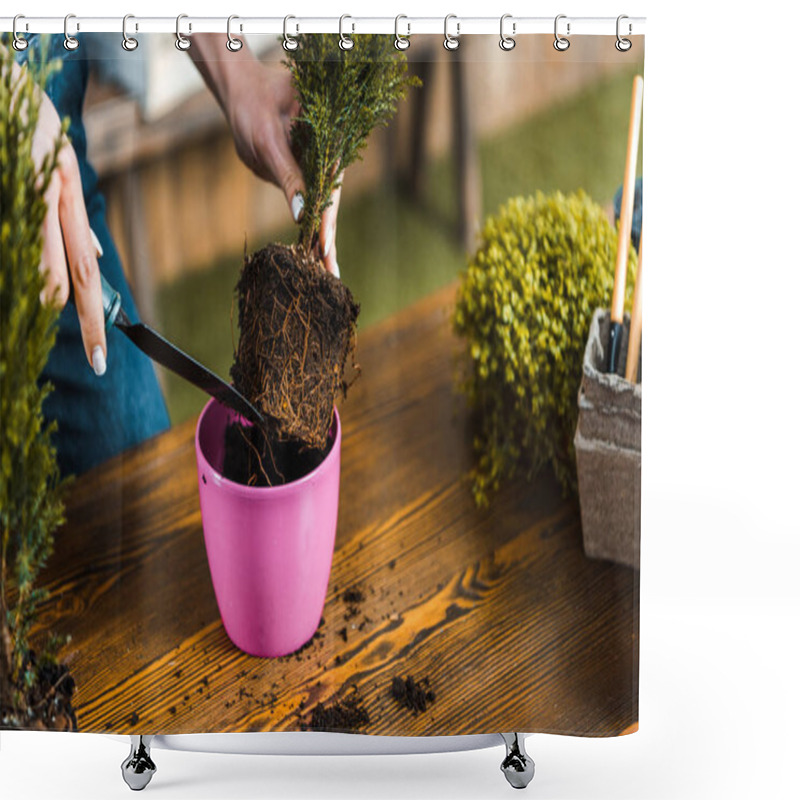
x: 524, y: 307
x: 35, y: 690
x: 269, y: 494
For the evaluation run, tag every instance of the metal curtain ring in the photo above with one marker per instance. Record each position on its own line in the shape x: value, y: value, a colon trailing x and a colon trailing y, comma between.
x: 289, y: 42
x: 451, y: 42
x: 623, y: 45
x: 128, y: 42
x: 401, y: 42
x: 233, y: 44
x: 181, y: 41
x: 345, y: 42
x: 70, y: 42
x: 561, y: 44
x: 19, y: 43
x: 507, y: 42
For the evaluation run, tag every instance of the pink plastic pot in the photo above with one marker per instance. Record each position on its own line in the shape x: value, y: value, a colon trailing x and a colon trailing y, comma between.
x: 269, y: 548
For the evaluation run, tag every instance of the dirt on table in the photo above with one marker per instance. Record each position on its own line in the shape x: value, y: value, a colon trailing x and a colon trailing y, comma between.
x: 414, y: 695
x: 297, y: 327
x: 353, y: 597
x: 343, y: 713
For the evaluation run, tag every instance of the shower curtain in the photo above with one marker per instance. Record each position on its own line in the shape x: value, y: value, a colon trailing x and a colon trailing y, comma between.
x: 462, y: 555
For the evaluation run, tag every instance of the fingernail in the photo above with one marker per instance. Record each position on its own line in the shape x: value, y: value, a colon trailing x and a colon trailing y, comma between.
x: 336, y: 269
x: 297, y: 206
x: 98, y: 361
x: 328, y: 240
x: 97, y: 246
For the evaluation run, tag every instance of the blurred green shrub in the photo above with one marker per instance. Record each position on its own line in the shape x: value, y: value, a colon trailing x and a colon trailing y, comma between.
x: 31, y: 489
x: 524, y: 306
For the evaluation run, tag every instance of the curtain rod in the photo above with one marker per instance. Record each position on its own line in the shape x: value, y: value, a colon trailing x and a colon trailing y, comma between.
x: 456, y: 26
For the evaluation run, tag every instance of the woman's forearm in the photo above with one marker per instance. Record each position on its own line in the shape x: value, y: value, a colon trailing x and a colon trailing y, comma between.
x: 259, y: 102
x: 221, y: 69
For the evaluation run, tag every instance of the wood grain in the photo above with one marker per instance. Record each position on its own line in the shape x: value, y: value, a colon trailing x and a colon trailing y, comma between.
x: 514, y: 627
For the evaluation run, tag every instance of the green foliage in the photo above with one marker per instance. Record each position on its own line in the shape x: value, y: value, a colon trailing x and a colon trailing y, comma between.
x: 31, y: 506
x: 524, y: 307
x: 343, y: 95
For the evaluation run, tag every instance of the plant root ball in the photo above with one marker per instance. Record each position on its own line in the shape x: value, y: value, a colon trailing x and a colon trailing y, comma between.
x: 297, y: 326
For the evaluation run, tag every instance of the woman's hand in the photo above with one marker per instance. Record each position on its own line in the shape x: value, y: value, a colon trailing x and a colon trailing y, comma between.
x: 69, y: 244
x: 328, y: 232
x: 259, y: 103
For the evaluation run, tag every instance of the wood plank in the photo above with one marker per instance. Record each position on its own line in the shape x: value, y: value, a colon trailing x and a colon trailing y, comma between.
x: 120, y: 140
x: 500, y: 609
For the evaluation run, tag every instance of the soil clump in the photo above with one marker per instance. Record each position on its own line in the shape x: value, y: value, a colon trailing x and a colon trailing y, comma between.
x: 416, y: 696
x: 343, y: 713
x: 297, y: 327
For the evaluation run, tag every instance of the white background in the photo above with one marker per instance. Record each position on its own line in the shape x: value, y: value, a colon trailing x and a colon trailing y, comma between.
x: 720, y: 606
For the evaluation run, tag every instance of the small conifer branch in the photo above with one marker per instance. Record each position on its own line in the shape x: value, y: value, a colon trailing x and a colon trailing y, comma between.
x: 343, y: 95
x: 31, y: 491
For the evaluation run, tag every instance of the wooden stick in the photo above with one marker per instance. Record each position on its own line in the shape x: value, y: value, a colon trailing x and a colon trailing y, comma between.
x: 626, y: 209
x: 635, y: 333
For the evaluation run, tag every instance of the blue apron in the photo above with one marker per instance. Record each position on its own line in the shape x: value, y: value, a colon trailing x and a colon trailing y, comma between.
x: 97, y: 417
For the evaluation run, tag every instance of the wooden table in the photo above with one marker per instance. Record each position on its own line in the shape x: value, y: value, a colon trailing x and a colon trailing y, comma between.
x: 513, y: 626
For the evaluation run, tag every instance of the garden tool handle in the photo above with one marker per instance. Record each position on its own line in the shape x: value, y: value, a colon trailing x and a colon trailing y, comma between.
x: 112, y: 302
x: 626, y: 206
x: 112, y: 299
x: 625, y: 221
x: 635, y: 333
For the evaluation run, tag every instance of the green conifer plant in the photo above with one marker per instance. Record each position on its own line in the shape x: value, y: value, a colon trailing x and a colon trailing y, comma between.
x: 297, y: 323
x: 524, y: 307
x: 343, y: 95
x: 34, y: 688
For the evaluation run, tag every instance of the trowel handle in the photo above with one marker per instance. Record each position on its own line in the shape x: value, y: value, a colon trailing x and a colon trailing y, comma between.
x: 112, y: 302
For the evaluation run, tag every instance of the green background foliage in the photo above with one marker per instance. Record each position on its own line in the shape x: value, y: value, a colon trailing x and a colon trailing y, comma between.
x: 524, y: 306
x: 31, y: 506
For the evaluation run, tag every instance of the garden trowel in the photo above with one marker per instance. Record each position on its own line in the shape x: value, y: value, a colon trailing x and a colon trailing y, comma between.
x: 165, y: 353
